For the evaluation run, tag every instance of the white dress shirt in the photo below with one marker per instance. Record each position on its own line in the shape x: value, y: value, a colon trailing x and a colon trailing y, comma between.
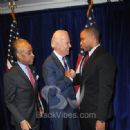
x: 92, y: 50
x: 89, y: 53
x: 23, y: 67
x: 60, y: 59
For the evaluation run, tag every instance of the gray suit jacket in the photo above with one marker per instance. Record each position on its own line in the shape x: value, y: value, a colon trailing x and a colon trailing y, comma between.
x: 20, y: 97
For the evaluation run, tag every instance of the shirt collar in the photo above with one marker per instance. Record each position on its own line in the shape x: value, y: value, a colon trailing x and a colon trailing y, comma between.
x: 92, y: 50
x: 21, y: 65
x: 58, y: 56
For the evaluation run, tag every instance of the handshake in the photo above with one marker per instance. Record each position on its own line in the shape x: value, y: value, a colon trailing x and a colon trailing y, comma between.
x: 70, y: 73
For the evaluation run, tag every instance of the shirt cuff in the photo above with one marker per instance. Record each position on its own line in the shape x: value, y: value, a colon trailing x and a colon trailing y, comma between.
x: 71, y: 79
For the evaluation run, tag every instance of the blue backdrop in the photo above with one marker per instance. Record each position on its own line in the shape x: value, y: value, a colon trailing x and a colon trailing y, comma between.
x: 37, y: 27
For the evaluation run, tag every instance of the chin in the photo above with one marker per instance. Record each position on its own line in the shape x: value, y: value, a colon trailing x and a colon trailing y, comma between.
x: 85, y: 49
x: 31, y: 63
x: 67, y: 53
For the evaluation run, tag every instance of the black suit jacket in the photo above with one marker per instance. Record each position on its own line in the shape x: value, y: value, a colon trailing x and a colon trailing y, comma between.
x: 97, y: 80
x: 20, y: 97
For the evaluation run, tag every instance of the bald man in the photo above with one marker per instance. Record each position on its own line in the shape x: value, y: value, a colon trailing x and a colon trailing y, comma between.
x: 58, y: 77
x: 21, y: 92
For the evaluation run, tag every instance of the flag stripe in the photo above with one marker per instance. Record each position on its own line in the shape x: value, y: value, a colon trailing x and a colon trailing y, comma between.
x: 13, y: 35
x: 89, y: 22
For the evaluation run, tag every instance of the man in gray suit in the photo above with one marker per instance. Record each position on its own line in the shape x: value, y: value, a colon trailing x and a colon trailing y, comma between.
x: 21, y: 92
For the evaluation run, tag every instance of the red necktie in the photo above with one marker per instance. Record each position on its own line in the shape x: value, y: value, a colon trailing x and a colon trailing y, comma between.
x: 85, y: 59
x: 30, y: 75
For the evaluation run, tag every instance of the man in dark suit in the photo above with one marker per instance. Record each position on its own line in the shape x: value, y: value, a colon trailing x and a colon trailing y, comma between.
x: 96, y: 81
x: 58, y: 78
x: 20, y: 87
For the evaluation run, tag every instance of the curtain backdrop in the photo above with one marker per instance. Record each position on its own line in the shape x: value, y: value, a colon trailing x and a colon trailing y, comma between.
x: 37, y: 27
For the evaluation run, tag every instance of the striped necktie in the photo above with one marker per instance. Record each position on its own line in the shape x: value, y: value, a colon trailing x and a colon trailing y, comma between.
x: 31, y: 77
x: 66, y: 66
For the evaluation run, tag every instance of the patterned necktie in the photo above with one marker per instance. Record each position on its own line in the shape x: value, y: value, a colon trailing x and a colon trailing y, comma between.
x: 30, y: 75
x: 65, y: 63
x: 85, y: 60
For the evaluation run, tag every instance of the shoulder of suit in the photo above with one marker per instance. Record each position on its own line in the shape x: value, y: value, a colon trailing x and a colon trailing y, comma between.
x: 11, y: 71
x: 101, y: 50
x: 102, y: 53
x: 48, y: 60
x: 105, y: 57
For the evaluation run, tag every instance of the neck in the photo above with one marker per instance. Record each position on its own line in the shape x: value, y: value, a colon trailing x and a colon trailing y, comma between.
x: 59, y: 53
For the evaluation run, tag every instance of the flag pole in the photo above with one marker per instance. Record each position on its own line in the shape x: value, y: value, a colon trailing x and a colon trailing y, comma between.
x: 12, y: 6
x: 90, y: 4
x: 81, y: 56
x: 13, y: 34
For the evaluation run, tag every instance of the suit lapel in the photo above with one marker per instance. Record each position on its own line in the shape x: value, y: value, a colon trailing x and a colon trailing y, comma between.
x: 23, y: 75
x: 58, y: 63
x: 34, y: 76
x: 86, y: 68
x: 68, y: 61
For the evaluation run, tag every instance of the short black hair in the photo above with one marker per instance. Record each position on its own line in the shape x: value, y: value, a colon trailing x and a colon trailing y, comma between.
x: 95, y: 31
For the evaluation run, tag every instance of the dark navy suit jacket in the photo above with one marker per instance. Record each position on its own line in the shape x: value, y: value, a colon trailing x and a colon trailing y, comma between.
x: 60, y: 95
x: 54, y: 75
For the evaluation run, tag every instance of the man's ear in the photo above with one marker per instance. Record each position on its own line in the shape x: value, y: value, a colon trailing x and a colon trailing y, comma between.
x: 53, y: 44
x: 19, y: 56
x: 58, y: 44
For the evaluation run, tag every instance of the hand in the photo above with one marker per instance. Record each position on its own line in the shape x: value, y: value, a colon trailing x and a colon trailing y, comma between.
x: 70, y: 73
x: 25, y: 125
x: 100, y: 125
x: 41, y: 110
x: 67, y: 73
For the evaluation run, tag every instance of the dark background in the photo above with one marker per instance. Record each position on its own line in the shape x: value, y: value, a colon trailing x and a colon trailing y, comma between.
x: 113, y: 20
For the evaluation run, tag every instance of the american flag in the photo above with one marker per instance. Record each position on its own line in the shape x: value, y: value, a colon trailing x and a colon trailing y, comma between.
x: 79, y: 60
x: 90, y: 20
x: 13, y: 35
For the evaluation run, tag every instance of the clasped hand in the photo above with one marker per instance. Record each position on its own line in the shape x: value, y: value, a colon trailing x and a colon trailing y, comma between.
x: 70, y: 73
x: 24, y: 124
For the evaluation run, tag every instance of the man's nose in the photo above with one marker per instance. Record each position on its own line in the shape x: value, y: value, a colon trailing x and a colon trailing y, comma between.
x: 70, y: 46
x: 80, y: 43
x: 32, y: 54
